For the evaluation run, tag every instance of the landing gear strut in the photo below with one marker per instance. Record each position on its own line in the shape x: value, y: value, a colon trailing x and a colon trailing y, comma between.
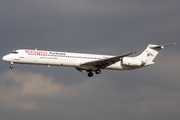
x: 90, y: 74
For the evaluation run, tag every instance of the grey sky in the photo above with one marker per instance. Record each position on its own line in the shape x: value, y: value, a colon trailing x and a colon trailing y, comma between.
x: 90, y: 26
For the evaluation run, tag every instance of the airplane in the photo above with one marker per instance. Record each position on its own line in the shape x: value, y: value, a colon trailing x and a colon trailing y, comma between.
x: 85, y: 62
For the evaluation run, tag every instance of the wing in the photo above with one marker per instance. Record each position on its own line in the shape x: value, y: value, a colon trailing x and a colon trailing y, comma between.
x: 103, y: 63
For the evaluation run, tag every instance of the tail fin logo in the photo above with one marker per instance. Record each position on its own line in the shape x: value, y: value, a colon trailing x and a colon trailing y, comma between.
x: 149, y: 54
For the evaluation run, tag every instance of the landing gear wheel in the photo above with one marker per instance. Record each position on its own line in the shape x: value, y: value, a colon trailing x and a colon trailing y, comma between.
x: 11, y: 66
x: 98, y: 71
x: 90, y: 74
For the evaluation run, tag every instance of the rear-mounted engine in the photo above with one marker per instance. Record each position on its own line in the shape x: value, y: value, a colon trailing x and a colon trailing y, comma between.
x: 132, y: 62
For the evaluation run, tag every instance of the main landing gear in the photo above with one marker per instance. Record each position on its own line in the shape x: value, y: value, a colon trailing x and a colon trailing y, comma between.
x: 98, y: 71
x: 90, y: 74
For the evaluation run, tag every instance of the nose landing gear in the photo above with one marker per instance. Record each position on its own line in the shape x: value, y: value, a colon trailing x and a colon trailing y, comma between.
x: 11, y: 66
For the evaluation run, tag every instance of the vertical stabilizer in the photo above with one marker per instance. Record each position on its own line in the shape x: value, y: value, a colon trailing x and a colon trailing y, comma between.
x: 151, y: 52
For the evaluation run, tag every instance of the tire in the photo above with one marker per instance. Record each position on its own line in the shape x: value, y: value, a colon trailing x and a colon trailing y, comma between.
x: 98, y: 71
x: 90, y: 74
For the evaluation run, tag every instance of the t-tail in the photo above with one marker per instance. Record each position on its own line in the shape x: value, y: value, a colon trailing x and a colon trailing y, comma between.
x: 148, y: 55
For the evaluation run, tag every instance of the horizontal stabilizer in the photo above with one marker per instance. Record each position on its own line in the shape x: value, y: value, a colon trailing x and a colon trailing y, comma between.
x: 161, y: 46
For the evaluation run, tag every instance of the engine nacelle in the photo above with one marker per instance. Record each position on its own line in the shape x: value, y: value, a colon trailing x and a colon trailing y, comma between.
x: 132, y: 62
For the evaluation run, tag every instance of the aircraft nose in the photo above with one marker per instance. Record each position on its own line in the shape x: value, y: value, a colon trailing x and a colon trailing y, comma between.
x: 5, y: 58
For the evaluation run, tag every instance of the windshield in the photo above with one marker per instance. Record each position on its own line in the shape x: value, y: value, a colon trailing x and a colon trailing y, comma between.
x: 14, y: 52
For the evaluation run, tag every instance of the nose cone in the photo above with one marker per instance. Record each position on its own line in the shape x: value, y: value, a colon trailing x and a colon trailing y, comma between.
x: 6, y: 58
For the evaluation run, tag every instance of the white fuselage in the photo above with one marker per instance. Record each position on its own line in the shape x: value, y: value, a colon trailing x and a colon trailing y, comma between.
x: 54, y: 58
x: 85, y: 62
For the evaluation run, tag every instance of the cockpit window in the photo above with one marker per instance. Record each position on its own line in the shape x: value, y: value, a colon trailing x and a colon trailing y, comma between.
x: 14, y: 52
